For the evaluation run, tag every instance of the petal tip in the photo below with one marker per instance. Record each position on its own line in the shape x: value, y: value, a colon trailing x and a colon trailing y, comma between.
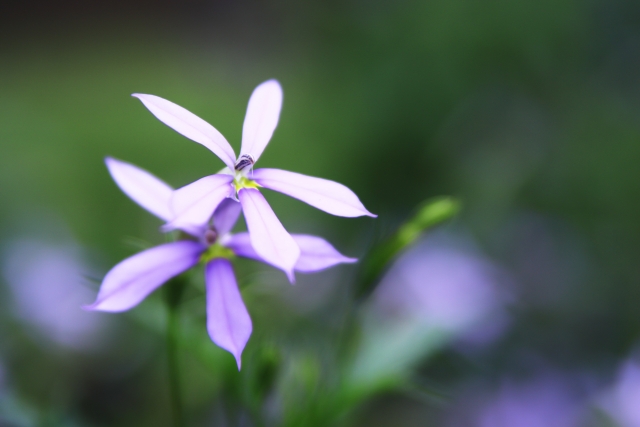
x: 291, y: 276
x: 140, y: 96
x: 96, y: 307
x: 112, y: 162
x: 89, y: 307
x: 271, y: 82
x: 168, y: 227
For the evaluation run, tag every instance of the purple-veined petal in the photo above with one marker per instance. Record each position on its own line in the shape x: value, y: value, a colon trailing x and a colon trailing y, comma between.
x: 315, y: 253
x: 226, y: 215
x: 261, y: 119
x: 193, y: 204
x: 131, y: 280
x: 329, y: 196
x: 269, y: 238
x: 143, y: 188
x: 188, y: 124
x: 228, y: 321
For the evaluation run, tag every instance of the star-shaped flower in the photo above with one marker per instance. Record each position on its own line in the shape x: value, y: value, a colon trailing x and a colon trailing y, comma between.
x: 193, y: 204
x: 133, y: 279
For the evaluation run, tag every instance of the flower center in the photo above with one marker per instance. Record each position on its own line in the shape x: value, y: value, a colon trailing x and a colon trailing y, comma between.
x: 210, y: 236
x: 245, y: 161
x: 216, y: 251
x: 240, y: 181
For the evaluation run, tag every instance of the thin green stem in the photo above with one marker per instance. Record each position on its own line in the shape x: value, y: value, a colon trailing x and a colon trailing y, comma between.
x: 174, y: 372
x: 173, y: 293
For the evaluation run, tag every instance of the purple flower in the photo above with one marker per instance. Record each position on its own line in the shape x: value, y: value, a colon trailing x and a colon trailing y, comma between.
x: 45, y: 280
x: 228, y: 321
x: 533, y: 407
x: 548, y: 400
x: 193, y: 204
x: 621, y: 401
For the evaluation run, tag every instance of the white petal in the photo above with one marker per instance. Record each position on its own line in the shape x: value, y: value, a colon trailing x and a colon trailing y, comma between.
x: 194, y: 204
x: 262, y: 118
x: 329, y: 196
x: 143, y: 188
x: 268, y: 237
x: 189, y: 125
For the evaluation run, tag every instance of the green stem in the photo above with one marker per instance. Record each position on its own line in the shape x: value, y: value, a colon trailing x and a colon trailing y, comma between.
x: 173, y: 293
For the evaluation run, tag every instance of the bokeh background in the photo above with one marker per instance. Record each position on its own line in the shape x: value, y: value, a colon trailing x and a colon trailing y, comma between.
x: 522, y: 311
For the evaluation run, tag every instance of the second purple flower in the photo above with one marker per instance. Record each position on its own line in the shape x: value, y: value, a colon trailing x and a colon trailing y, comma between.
x: 133, y: 279
x: 192, y: 205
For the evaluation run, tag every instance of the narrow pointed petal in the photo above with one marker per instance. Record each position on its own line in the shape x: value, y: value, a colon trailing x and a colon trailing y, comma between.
x: 188, y: 124
x: 226, y: 216
x: 194, y: 204
x: 261, y: 119
x: 329, y: 196
x: 143, y: 188
x: 241, y: 245
x: 268, y: 237
x: 130, y: 281
x: 228, y: 321
x: 315, y: 253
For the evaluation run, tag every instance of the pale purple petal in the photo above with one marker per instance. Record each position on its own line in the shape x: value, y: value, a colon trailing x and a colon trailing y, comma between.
x: 226, y: 215
x: 315, y: 253
x: 193, y: 204
x: 329, y: 196
x: 189, y: 125
x: 143, y: 188
x: 269, y: 238
x: 228, y: 321
x: 130, y: 281
x: 240, y: 244
x: 261, y: 118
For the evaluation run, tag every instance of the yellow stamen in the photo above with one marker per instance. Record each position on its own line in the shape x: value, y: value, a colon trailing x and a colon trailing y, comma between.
x: 241, y: 181
x: 216, y: 251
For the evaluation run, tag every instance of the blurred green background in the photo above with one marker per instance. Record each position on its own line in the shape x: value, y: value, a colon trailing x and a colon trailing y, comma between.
x: 528, y: 112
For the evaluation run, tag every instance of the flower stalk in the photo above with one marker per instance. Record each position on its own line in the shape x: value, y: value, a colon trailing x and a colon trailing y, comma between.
x: 172, y: 296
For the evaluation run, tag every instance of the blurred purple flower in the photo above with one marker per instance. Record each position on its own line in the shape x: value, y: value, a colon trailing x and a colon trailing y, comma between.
x: 442, y: 286
x: 194, y: 203
x: 45, y: 280
x: 622, y: 402
x: 133, y: 279
x: 547, y: 402
x: 434, y: 293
